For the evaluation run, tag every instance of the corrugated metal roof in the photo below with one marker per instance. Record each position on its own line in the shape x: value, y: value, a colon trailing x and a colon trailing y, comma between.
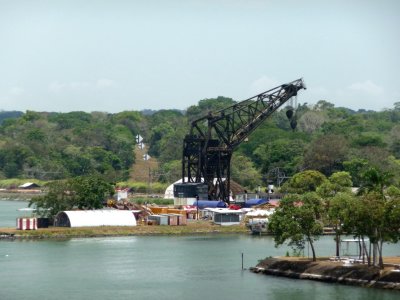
x: 224, y: 211
x: 89, y: 218
x: 28, y: 184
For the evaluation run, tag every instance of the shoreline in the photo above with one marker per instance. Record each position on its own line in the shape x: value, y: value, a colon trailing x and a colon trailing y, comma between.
x: 330, y: 272
x: 17, y: 196
x: 192, y: 228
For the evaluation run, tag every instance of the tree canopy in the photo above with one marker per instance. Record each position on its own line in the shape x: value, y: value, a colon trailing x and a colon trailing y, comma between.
x: 328, y: 139
x: 83, y: 192
x: 296, y: 221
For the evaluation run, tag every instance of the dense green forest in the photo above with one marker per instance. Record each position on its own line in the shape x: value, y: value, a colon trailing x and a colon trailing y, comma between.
x: 48, y: 146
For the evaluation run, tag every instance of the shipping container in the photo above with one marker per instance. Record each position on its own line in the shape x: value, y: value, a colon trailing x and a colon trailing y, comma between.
x: 159, y: 219
x: 26, y: 223
x: 172, y: 220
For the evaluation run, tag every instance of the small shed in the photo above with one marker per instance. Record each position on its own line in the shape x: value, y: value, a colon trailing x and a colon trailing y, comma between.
x: 27, y: 224
x: 93, y: 218
x: 158, y: 219
x: 225, y: 216
x: 29, y: 185
x: 121, y: 194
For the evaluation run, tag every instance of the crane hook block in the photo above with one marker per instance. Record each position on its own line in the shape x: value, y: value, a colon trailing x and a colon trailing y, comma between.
x: 289, y: 113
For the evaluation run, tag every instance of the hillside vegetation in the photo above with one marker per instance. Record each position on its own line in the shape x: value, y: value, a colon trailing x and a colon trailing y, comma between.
x: 49, y: 146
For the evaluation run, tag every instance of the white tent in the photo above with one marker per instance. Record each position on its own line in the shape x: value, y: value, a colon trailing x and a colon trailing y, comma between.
x: 260, y: 213
x: 92, y: 218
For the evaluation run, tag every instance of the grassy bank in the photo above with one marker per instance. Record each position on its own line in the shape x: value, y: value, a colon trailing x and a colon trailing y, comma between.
x: 195, y: 227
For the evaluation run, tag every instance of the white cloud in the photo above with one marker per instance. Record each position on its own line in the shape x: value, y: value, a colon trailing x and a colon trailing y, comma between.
x: 367, y: 87
x: 262, y: 84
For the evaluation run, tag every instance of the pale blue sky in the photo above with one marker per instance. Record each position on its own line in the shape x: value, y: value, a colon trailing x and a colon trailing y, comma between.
x: 68, y: 55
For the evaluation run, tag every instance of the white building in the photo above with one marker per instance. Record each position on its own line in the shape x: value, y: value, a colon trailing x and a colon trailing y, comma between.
x: 93, y: 218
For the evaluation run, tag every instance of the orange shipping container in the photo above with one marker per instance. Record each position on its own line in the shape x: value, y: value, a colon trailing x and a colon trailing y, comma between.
x: 159, y: 210
x: 176, y: 211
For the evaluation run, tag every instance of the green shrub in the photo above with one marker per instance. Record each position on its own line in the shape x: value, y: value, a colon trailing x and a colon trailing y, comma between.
x: 144, y: 187
x: 158, y: 201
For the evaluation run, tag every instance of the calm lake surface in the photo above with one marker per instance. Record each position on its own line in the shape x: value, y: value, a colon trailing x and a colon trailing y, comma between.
x: 156, y: 267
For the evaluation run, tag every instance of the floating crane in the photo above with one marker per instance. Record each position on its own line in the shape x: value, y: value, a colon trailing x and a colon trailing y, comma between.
x: 208, y: 148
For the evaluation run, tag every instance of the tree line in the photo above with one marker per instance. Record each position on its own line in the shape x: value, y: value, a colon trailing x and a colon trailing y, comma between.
x: 50, y: 146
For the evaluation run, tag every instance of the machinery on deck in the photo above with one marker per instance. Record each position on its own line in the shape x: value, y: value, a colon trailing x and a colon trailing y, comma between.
x: 208, y: 148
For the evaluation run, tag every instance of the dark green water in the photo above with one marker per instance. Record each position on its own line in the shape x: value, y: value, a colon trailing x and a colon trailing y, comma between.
x: 200, y: 267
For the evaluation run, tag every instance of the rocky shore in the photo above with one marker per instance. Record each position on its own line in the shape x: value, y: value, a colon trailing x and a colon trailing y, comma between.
x: 331, y: 272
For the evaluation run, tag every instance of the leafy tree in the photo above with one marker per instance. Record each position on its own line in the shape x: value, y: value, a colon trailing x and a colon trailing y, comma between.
x: 326, y: 154
x: 76, y: 119
x: 244, y: 172
x: 57, y: 198
x: 283, y: 153
x: 394, y: 141
x: 369, y: 139
x: 306, y: 181
x: 90, y: 192
x: 339, y: 215
x: 337, y: 182
x: 376, y: 212
x: 369, y: 219
x: 296, y: 223
x: 85, y: 192
x: 323, y: 105
x: 341, y: 180
x: 393, y: 191
x: 311, y: 121
x: 374, y: 180
x: 171, y: 171
x: 7, y: 116
x: 158, y: 133
x: 355, y: 167
x: 13, y: 158
x: 171, y: 145
x: 208, y: 105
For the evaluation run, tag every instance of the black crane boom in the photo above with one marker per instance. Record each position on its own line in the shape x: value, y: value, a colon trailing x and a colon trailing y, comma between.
x: 208, y: 148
